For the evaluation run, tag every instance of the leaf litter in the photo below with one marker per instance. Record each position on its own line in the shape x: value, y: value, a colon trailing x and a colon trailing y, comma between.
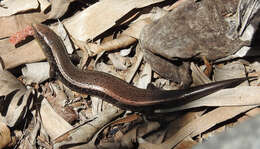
x: 42, y: 113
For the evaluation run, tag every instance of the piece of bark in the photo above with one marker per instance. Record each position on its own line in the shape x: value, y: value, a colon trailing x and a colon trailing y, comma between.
x: 191, y: 29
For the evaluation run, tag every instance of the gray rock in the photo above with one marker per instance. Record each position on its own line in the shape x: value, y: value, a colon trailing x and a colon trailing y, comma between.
x: 192, y: 29
x: 244, y: 136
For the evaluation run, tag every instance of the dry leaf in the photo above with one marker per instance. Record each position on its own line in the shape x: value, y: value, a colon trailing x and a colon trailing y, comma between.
x: 128, y: 37
x: 138, y: 60
x: 58, y: 103
x: 244, y: 95
x: 27, y: 53
x: 5, y: 46
x: 54, y: 124
x: 134, y: 29
x: 16, y: 99
x: 9, y: 83
x: 88, y: 24
x: 230, y: 70
x: 198, y: 76
x: 145, y: 77
x: 61, y: 31
x: 17, y: 6
x: 44, y: 5
x: 5, y: 136
x: 36, y: 72
x: 143, y: 144
x: 244, y: 135
x: 187, y: 143
x: 253, y: 112
x: 103, y: 18
x: 119, y: 62
x: 58, y: 8
x: 12, y: 24
x: 19, y: 106
x: 204, y: 123
x: 31, y: 140
x: 83, y: 133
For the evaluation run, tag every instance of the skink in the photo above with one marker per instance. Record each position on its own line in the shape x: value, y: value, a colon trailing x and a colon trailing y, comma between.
x: 113, y: 89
